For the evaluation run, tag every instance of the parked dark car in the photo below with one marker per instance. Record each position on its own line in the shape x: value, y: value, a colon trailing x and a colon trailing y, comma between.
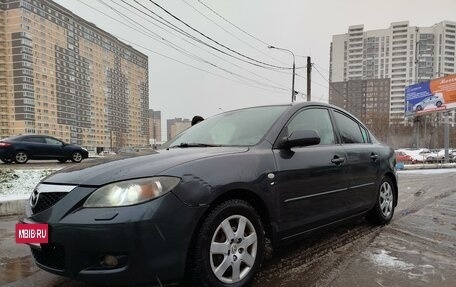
x: 24, y: 147
x: 200, y: 209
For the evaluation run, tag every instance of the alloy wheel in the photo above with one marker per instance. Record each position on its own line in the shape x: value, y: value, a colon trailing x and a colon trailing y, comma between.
x: 77, y: 157
x: 21, y: 157
x: 386, y: 199
x: 233, y: 249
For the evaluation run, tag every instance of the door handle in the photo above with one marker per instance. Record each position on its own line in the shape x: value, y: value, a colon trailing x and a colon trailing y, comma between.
x: 337, y: 160
x: 374, y: 156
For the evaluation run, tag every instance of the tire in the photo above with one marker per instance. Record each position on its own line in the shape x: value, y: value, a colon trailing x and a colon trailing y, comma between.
x: 219, y: 247
x: 383, y: 211
x: 438, y: 104
x: 6, y: 160
x: 21, y: 157
x: 419, y: 108
x: 62, y: 160
x: 76, y: 156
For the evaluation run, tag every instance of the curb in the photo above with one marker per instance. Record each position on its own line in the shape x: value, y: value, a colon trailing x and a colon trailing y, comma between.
x: 12, y: 207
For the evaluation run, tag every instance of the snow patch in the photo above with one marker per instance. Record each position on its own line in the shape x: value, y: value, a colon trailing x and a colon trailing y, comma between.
x: 18, y: 184
x: 383, y: 259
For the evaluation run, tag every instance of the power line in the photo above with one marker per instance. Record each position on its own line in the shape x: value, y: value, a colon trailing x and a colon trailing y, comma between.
x: 236, y: 37
x: 173, y: 27
x: 170, y: 25
x: 326, y: 70
x: 240, y: 29
x: 185, y: 52
x: 215, y: 41
x: 191, y: 43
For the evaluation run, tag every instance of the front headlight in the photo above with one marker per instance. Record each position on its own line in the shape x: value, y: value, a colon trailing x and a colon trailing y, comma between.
x: 131, y: 191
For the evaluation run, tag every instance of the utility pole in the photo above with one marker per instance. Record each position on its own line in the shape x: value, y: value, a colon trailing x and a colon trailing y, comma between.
x: 446, y: 136
x: 416, y: 118
x: 309, y: 79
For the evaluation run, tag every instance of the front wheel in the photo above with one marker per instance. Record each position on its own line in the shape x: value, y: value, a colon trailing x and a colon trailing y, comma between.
x: 383, y: 211
x: 6, y: 160
x: 76, y: 157
x: 229, y: 247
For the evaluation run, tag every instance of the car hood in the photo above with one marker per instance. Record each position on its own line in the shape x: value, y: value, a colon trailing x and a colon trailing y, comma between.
x: 102, y: 171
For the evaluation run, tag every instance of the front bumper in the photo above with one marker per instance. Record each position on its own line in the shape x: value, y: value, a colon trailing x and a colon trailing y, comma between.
x: 150, y: 241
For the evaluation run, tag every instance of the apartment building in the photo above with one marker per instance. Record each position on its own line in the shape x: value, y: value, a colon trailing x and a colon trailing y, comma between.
x: 176, y: 126
x: 402, y: 53
x: 61, y: 75
x: 155, y: 127
x: 368, y: 100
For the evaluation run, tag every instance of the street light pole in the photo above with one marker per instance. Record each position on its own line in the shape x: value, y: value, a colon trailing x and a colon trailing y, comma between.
x: 294, y: 68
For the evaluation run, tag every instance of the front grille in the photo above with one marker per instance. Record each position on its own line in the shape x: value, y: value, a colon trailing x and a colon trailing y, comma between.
x: 47, y: 199
x: 50, y: 255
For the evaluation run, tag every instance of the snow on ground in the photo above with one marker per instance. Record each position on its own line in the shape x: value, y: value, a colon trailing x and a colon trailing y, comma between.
x: 19, y: 184
x: 429, y: 171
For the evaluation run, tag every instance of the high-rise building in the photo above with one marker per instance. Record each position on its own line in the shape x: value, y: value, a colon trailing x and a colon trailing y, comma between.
x: 402, y: 53
x: 176, y: 126
x: 366, y: 99
x: 155, y: 126
x: 61, y: 75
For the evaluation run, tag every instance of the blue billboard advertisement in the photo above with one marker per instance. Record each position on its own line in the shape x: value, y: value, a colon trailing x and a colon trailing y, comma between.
x: 432, y: 96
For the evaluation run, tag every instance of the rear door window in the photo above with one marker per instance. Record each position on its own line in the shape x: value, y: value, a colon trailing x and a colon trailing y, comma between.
x: 53, y: 141
x: 350, y: 131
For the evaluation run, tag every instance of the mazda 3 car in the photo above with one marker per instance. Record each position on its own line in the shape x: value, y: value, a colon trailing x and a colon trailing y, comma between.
x: 21, y: 148
x: 201, y: 209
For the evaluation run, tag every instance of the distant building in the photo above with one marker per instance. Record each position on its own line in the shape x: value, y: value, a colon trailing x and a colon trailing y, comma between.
x: 176, y: 126
x: 369, y: 100
x: 402, y: 53
x: 61, y: 75
x: 155, y: 126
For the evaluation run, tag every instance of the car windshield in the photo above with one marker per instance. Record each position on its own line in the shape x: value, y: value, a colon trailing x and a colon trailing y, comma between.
x: 236, y: 128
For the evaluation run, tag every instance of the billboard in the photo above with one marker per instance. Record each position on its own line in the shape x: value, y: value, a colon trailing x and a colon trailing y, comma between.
x: 432, y: 96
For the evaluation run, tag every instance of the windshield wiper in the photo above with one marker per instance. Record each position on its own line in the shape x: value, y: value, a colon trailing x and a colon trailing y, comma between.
x: 184, y: 145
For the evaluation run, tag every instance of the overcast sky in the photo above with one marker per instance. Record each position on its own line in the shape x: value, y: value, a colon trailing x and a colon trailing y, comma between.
x: 303, y: 26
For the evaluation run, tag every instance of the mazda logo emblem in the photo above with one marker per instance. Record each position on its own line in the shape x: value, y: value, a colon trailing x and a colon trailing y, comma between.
x: 34, y: 198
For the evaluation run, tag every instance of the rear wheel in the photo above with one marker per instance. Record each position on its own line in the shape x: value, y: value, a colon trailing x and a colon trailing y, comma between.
x: 62, y: 160
x: 383, y: 211
x: 76, y: 157
x: 229, y: 247
x: 6, y: 160
x: 21, y: 157
x: 419, y: 108
x: 438, y: 104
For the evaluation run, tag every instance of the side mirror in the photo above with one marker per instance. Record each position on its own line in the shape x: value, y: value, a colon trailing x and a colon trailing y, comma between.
x: 301, y: 138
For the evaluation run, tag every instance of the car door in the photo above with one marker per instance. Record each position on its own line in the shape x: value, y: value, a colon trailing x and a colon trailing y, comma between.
x: 311, y: 181
x: 35, y: 146
x: 54, y: 148
x: 362, y: 161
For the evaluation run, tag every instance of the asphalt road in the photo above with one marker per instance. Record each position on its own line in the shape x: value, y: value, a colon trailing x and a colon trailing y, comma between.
x: 418, y: 248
